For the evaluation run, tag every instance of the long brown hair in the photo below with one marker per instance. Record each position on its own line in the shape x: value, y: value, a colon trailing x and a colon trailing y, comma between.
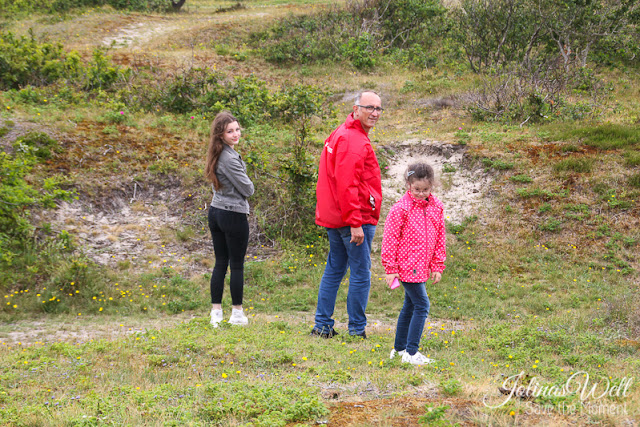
x: 216, y: 144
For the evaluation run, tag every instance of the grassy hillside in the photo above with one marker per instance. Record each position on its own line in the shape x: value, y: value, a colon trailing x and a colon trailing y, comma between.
x: 104, y: 115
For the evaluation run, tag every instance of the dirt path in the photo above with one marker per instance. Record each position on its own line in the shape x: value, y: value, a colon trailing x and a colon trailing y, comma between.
x: 82, y: 329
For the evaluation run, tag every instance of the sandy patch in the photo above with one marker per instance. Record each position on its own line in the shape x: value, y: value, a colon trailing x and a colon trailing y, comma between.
x: 461, y: 190
x: 136, y: 33
x: 143, y: 236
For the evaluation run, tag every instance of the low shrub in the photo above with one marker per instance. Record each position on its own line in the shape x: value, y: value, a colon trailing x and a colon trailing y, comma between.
x: 266, y: 405
x: 544, y: 194
x: 17, y: 195
x: 497, y: 164
x: 363, y: 33
x: 551, y: 225
x: 24, y: 61
x: 23, y: 7
x: 201, y: 91
x: 525, y: 179
x: 360, y: 50
x: 39, y: 143
x: 28, y: 254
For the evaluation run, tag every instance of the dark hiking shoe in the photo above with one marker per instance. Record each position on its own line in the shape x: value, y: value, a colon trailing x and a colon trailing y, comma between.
x: 318, y: 333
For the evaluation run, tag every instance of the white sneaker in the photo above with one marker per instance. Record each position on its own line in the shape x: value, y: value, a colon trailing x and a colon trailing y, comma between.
x: 416, y: 359
x: 216, y: 317
x: 394, y: 352
x: 238, y: 317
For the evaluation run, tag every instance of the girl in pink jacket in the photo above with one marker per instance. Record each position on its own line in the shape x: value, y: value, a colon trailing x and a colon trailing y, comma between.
x: 413, y: 251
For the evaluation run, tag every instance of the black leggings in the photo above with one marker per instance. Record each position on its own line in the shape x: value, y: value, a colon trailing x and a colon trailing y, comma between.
x: 230, y: 234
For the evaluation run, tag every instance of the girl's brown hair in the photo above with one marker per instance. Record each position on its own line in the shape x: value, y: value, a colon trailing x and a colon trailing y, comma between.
x: 216, y: 144
x: 419, y: 171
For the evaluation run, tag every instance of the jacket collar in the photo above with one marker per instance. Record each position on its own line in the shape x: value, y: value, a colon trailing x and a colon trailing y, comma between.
x: 230, y: 150
x: 352, y: 123
x: 408, y: 201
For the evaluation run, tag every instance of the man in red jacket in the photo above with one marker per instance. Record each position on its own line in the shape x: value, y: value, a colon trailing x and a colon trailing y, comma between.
x: 349, y: 196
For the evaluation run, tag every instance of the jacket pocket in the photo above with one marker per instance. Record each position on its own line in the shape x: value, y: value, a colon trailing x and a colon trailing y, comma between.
x: 371, y: 199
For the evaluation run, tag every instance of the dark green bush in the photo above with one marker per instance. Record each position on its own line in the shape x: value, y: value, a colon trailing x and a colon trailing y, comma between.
x: 495, y: 32
x: 100, y: 73
x: 304, y: 39
x: 360, y: 33
x: 38, y: 143
x: 498, y: 32
x: 17, y: 196
x: 248, y: 98
x: 24, y: 61
x: 360, y: 51
x: 406, y: 23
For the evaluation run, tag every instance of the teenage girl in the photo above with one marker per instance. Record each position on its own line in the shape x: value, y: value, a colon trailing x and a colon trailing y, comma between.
x: 413, y: 251
x: 228, y: 215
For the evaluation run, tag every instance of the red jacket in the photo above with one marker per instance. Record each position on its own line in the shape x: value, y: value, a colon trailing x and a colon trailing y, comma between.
x: 349, y: 189
x: 413, y: 241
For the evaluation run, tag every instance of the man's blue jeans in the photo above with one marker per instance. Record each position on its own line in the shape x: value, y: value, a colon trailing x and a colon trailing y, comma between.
x: 412, y: 317
x: 343, y: 255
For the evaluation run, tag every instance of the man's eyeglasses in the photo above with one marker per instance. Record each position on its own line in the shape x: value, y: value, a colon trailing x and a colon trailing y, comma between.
x: 371, y: 108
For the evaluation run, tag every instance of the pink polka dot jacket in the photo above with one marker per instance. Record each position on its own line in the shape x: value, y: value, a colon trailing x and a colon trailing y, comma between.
x: 413, y: 242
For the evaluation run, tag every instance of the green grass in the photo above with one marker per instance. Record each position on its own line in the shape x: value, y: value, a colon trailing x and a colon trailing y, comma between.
x: 604, y: 137
x: 632, y: 158
x: 580, y: 165
x: 522, y: 178
x: 499, y: 309
x: 541, y: 283
x: 497, y: 164
x: 541, y: 193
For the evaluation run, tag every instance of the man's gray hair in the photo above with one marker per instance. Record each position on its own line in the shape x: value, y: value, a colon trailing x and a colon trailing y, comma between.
x: 356, y: 101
